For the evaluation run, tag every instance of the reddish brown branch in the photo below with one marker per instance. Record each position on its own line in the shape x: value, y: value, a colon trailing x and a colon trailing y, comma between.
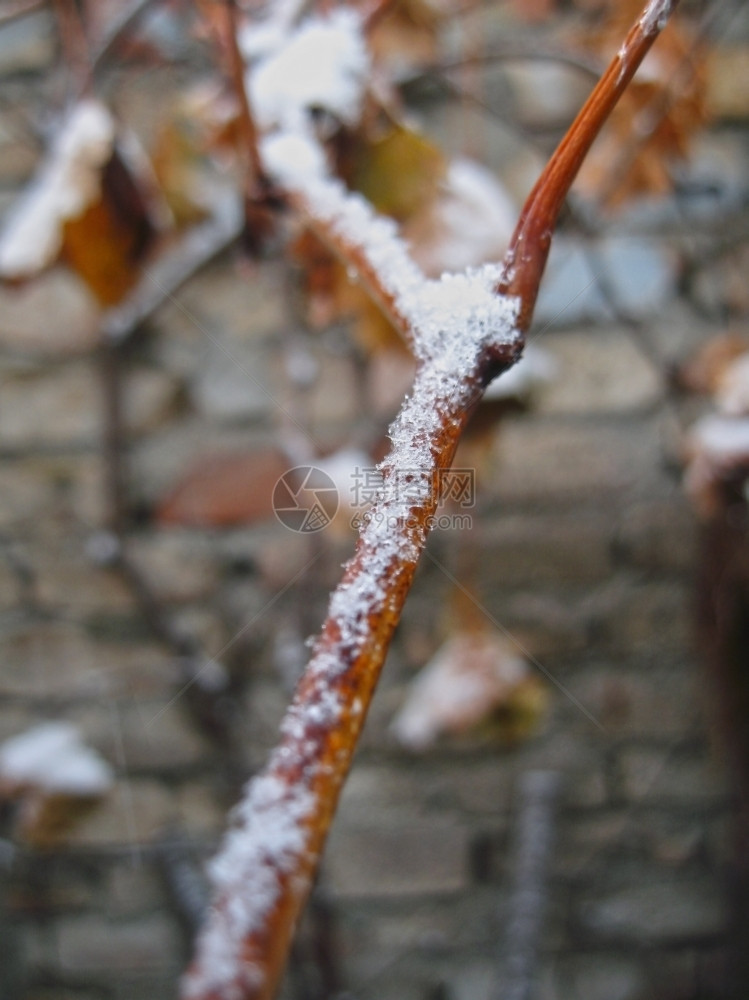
x: 73, y: 39
x: 529, y: 247
x: 264, y: 870
x: 19, y: 8
x: 355, y: 259
x: 255, y: 178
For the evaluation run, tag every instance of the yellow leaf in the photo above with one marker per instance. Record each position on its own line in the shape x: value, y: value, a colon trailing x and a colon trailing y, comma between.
x: 399, y: 173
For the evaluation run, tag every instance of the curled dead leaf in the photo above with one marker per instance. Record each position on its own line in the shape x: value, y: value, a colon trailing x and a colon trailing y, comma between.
x: 86, y: 206
x: 53, y: 777
x: 474, y: 681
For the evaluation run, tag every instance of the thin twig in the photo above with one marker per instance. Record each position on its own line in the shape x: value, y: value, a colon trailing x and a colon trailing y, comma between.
x: 20, y: 8
x: 73, y: 39
x: 529, y: 248
x: 162, y: 278
x: 524, y: 50
x: 255, y: 180
x: 123, y: 22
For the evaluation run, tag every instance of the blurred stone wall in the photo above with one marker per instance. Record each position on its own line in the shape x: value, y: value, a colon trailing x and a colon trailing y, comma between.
x: 583, y: 551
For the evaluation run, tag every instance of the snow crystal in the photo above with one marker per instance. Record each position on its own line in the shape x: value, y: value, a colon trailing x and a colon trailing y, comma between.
x: 452, y: 323
x: 53, y: 757
x: 656, y: 15
x: 324, y: 64
x: 452, y: 316
x: 69, y: 181
x: 268, y: 837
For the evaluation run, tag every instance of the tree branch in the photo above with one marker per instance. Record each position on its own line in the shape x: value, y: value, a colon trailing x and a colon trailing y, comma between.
x: 465, y: 328
x: 526, y: 257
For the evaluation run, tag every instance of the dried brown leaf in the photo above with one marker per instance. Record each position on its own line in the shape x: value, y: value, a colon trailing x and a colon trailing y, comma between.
x: 223, y: 490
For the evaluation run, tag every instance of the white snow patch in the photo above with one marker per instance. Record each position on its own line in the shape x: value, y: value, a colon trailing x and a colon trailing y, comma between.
x: 268, y: 837
x: 721, y: 438
x: 53, y: 757
x: 290, y: 157
x: 449, y: 319
x: 716, y: 446
x: 261, y: 38
x: 732, y: 391
x: 656, y: 15
x: 324, y: 64
x: 469, y: 675
x: 471, y: 222
x: 68, y: 182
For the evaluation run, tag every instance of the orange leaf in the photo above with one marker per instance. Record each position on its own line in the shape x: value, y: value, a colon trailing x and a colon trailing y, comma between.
x: 106, y: 244
x: 224, y: 490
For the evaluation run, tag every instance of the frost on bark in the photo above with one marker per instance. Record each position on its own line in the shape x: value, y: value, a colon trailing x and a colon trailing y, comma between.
x: 464, y: 330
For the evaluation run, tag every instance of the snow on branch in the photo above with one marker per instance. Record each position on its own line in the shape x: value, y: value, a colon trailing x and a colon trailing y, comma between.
x: 69, y: 181
x: 464, y: 329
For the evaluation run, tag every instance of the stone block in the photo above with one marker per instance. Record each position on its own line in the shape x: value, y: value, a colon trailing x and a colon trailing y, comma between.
x: 51, y: 408
x: 201, y: 813
x: 132, y: 814
x: 132, y: 888
x: 91, y: 946
x: 547, y: 622
x: 605, y: 976
x: 382, y: 860
x: 231, y: 383
x: 588, y: 841
x: 146, y: 987
x: 180, y: 565
x: 598, y: 371
x: 665, y: 700
x: 392, y: 789
x: 153, y: 735
x: 69, y: 583
x: 48, y: 660
x: 655, y: 912
x: 658, y: 536
x: 640, y: 273
x: 537, y: 459
x: 631, y: 616
x: 219, y: 305
x: 666, y: 774
x: 26, y: 495
x: 62, y: 407
x: 26, y: 328
x: 517, y: 550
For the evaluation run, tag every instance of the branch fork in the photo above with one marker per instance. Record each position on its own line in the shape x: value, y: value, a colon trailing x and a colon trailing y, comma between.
x: 464, y: 329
